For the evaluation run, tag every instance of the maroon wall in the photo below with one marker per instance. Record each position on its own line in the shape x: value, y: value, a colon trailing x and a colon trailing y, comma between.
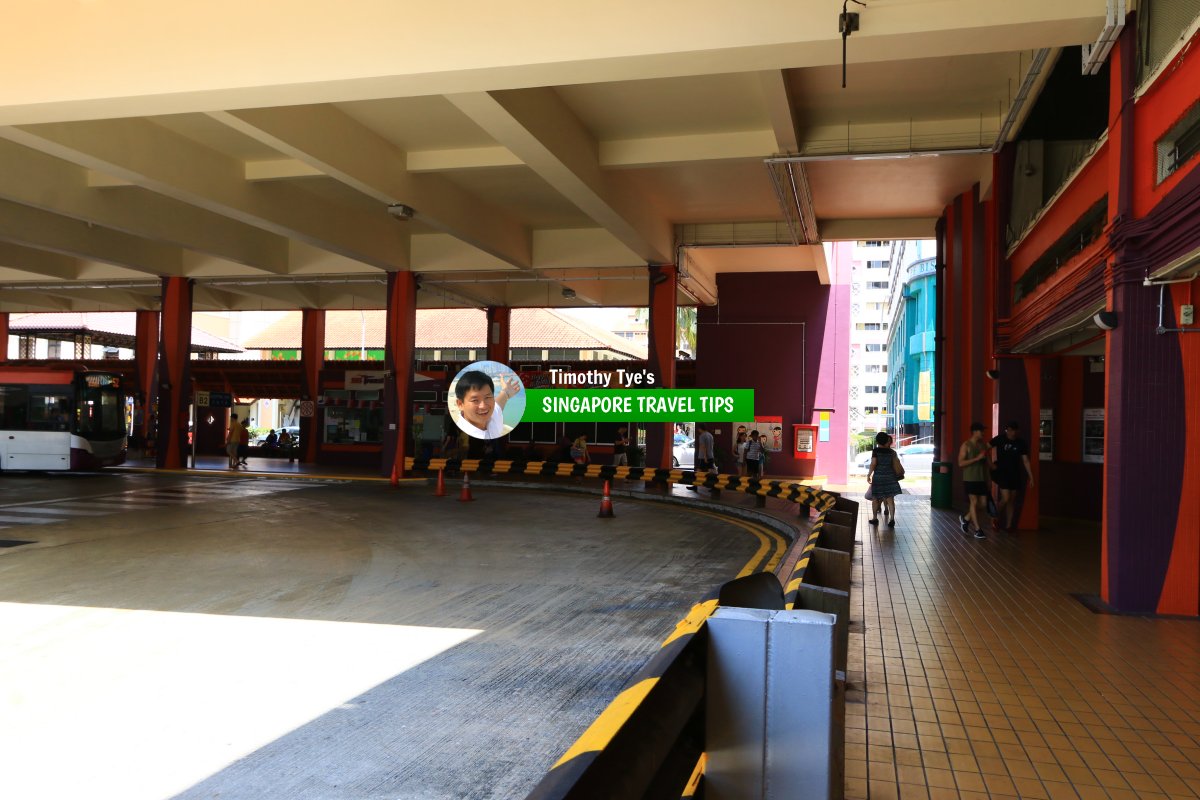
x: 754, y: 339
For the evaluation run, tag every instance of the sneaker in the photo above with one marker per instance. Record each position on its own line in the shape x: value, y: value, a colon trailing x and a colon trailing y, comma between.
x: 964, y: 523
x: 892, y: 523
x: 979, y: 534
x: 872, y: 522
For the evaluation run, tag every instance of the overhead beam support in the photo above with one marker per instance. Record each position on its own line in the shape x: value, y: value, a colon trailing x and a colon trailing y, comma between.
x: 38, y: 229
x: 38, y: 262
x: 326, y: 139
x: 34, y: 179
x: 154, y: 158
x: 386, y: 49
x: 539, y: 128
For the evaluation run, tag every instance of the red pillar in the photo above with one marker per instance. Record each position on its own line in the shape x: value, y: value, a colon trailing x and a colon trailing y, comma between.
x: 1031, y: 502
x: 498, y: 326
x: 312, y: 359
x: 174, y: 373
x: 661, y: 356
x: 3, y: 336
x: 146, y: 367
x: 401, y: 344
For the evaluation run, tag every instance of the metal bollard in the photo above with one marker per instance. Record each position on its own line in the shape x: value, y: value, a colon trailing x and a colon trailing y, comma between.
x: 772, y: 717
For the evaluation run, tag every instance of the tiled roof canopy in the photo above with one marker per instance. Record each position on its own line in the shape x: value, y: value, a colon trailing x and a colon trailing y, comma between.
x: 447, y: 328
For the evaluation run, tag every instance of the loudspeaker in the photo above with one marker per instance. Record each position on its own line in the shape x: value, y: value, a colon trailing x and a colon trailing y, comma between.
x: 1106, y: 320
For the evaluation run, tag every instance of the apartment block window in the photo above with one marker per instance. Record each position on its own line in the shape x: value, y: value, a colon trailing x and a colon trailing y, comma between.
x: 877, y: 265
x: 876, y: 368
x: 875, y: 389
x: 877, y: 348
x: 877, y: 284
x: 873, y: 410
x: 874, y: 243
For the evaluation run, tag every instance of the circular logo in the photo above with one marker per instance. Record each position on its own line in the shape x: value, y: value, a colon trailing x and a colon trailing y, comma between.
x: 487, y: 400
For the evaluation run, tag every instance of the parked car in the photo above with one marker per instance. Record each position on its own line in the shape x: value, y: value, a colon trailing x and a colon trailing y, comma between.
x: 863, y: 460
x: 293, y: 431
x: 917, y: 457
x: 684, y: 454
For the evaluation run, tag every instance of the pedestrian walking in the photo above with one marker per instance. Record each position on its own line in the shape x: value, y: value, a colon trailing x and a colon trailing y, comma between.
x: 232, y: 437
x: 972, y: 460
x: 1011, y: 467
x: 884, y: 477
x: 705, y: 460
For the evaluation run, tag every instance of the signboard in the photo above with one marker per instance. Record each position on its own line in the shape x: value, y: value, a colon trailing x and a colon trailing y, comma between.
x: 308, y: 408
x: 1046, y: 435
x: 219, y: 400
x: 202, y: 399
x: 804, y: 440
x: 1093, y: 435
x: 358, y: 380
x: 924, y: 393
x: 823, y: 426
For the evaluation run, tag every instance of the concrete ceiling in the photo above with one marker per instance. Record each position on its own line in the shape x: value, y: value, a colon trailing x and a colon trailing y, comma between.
x: 255, y: 147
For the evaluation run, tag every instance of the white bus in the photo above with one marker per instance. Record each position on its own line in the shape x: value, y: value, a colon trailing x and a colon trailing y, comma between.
x: 58, y: 418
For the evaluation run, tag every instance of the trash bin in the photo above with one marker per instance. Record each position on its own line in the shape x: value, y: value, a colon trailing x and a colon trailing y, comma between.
x: 939, y: 489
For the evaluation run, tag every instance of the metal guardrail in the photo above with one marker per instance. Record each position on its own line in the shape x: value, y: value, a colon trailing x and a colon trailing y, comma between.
x: 650, y: 742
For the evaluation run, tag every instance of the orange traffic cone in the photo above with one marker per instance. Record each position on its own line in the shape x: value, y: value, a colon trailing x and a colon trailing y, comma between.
x: 606, y: 506
x: 465, y: 495
x: 395, y: 476
x: 440, y: 491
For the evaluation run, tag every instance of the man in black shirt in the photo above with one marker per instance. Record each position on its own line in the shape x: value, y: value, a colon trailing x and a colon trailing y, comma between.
x: 1009, y: 469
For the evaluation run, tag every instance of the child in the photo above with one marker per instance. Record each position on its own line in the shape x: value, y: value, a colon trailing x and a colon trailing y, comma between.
x: 884, y: 476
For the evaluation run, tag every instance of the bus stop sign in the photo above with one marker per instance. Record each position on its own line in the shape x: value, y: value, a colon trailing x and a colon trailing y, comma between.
x: 216, y: 399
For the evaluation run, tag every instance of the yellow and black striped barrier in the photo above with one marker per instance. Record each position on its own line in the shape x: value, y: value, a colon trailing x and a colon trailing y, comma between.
x: 812, y: 496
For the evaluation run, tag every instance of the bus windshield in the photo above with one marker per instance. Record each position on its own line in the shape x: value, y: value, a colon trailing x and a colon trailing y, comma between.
x: 101, y: 412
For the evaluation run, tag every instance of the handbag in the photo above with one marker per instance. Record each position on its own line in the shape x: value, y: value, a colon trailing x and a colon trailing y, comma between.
x: 870, y: 495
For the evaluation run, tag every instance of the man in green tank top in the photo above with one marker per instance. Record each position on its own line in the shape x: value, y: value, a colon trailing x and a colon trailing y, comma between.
x: 972, y: 459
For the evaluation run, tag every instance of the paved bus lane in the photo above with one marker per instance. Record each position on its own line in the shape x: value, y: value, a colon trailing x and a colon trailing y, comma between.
x: 333, y: 641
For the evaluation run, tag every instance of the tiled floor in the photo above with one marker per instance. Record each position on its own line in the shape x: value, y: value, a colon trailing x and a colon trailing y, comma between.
x: 974, y: 673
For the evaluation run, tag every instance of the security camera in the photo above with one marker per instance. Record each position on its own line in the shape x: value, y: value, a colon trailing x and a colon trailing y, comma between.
x: 401, y: 211
x: 568, y: 293
x: 1105, y: 320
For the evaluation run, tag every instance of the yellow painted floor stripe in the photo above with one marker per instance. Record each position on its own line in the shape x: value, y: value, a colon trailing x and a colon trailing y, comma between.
x: 693, y: 783
x: 601, y: 732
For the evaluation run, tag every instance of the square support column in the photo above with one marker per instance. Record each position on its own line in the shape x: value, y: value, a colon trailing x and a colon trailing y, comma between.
x: 174, y: 373
x: 312, y: 360
x: 3, y: 337
x: 661, y: 356
x: 498, y: 328
x: 399, y: 352
x: 146, y: 367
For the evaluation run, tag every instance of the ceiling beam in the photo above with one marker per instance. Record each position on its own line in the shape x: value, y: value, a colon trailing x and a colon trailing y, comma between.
x: 458, y: 158
x: 386, y: 49
x: 656, y: 151
x: 328, y: 140
x: 14, y: 298
x: 154, y: 158
x: 537, y: 126
x: 782, y: 110
x: 38, y: 262
x: 42, y: 230
x: 890, y: 228
x: 51, y: 184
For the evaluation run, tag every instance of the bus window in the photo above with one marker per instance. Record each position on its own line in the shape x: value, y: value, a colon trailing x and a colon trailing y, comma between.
x: 101, y: 411
x: 49, y: 409
x: 14, y: 408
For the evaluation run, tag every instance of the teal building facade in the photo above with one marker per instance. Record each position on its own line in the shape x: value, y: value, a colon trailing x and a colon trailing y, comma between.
x: 912, y: 351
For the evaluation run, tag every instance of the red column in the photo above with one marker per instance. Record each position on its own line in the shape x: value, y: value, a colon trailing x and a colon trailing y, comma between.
x: 498, y: 319
x: 312, y: 359
x: 3, y: 336
x: 146, y: 366
x: 1031, y: 503
x: 401, y: 343
x: 661, y: 356
x: 174, y: 373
